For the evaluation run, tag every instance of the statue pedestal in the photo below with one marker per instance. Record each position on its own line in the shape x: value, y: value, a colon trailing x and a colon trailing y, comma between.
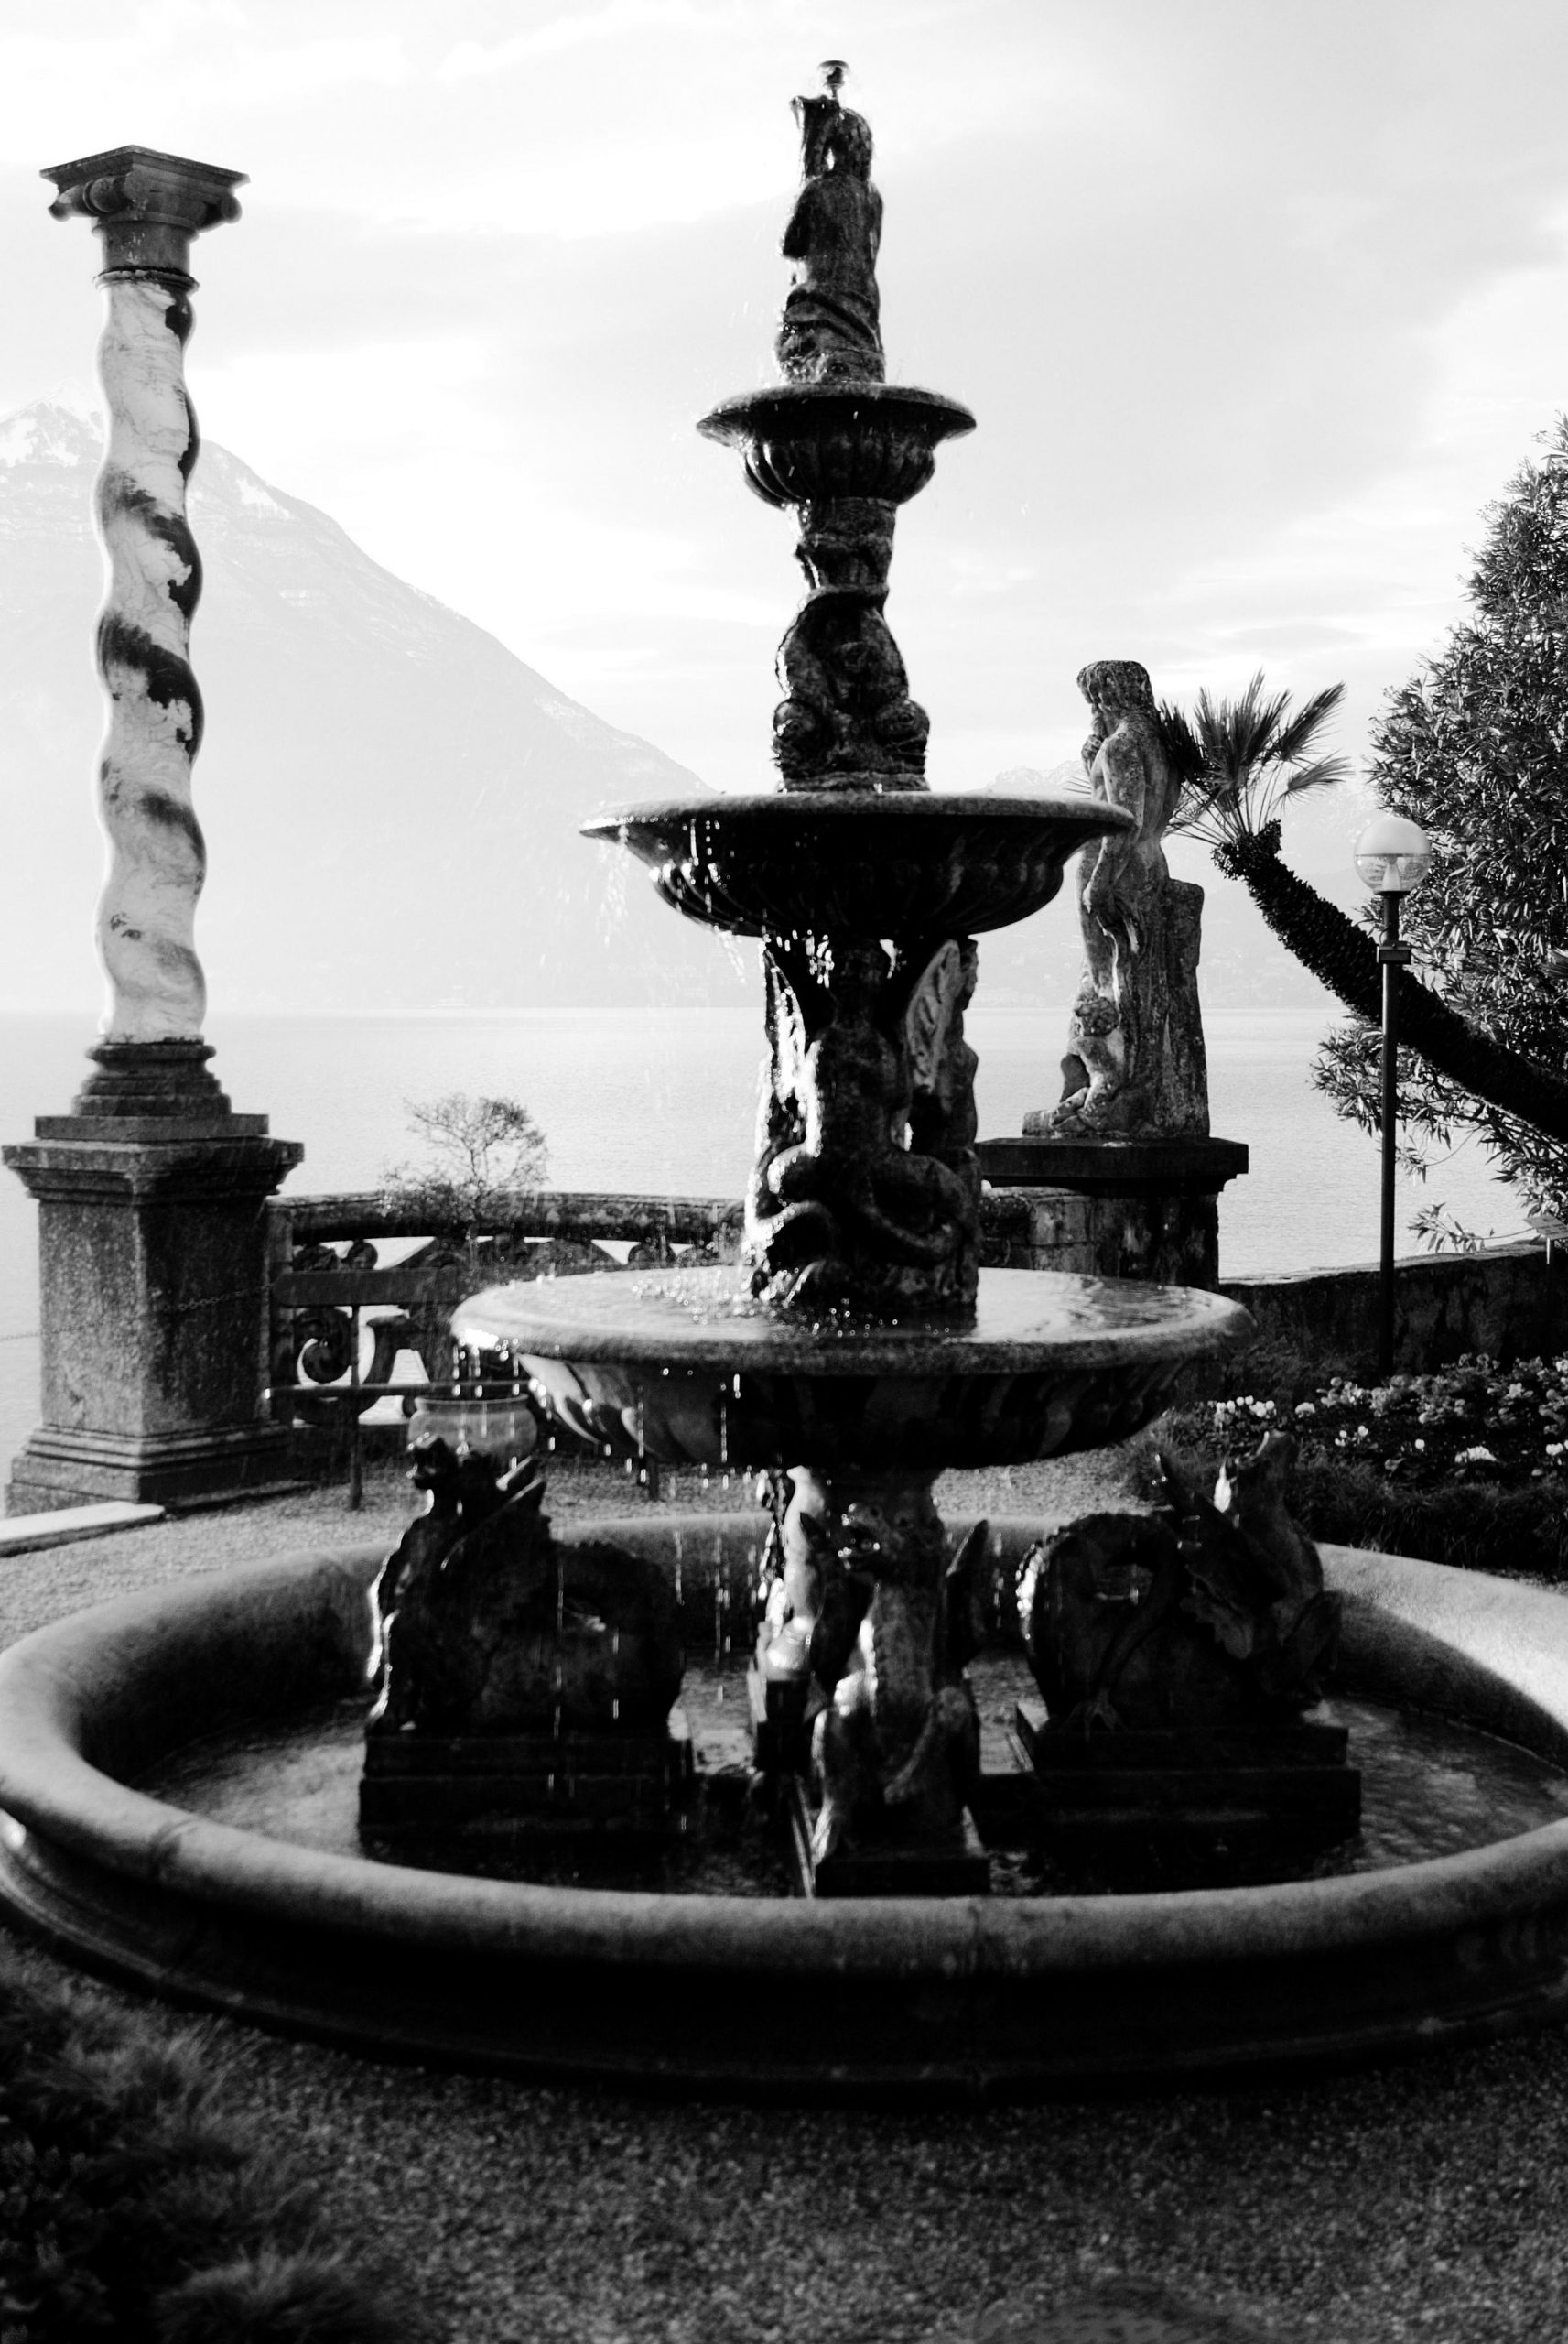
x: 522, y: 1795
x: 908, y: 1861
x: 1174, y: 1809
x: 1144, y: 1209
x: 153, y: 1278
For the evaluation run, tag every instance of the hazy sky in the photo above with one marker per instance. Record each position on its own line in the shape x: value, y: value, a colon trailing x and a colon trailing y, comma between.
x: 1258, y: 303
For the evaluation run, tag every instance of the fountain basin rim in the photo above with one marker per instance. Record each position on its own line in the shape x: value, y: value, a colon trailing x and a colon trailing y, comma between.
x: 974, y: 1999
x: 54, y: 1682
x: 766, y: 808
x: 595, y: 1320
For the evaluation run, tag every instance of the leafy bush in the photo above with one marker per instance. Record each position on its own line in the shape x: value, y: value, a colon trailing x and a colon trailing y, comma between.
x: 1466, y: 1467
x: 135, y: 2206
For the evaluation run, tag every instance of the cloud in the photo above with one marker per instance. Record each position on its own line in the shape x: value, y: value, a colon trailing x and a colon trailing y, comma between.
x: 582, y: 29
x: 1256, y: 308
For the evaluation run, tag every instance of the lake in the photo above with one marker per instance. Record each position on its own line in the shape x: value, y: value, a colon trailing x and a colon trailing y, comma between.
x: 664, y: 1102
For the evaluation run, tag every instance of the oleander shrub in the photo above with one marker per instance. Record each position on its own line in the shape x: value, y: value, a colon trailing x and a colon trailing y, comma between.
x: 136, y: 2204
x: 1466, y: 1466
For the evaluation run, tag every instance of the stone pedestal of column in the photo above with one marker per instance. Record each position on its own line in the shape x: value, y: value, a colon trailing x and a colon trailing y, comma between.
x: 1107, y: 1208
x: 153, y: 1275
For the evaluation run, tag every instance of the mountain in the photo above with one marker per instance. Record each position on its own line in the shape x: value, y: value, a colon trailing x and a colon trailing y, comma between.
x: 391, y: 798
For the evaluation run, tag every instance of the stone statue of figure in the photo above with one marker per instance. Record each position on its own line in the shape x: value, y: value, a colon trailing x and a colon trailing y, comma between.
x: 828, y: 333
x: 1135, y: 1066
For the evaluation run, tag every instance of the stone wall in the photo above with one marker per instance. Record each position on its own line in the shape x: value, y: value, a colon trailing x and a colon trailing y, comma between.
x: 1508, y: 1300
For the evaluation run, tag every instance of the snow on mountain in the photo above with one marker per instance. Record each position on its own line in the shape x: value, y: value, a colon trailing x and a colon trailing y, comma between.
x: 391, y: 798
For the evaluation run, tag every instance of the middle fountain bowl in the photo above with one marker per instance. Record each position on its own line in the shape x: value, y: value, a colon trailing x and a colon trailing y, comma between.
x: 865, y: 862
x: 682, y: 1367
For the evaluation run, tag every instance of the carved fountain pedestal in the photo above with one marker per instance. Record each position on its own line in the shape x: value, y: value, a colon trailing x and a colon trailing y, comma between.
x: 860, y: 1349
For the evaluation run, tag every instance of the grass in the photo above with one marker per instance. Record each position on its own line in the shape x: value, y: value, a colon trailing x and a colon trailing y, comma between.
x: 137, y: 2204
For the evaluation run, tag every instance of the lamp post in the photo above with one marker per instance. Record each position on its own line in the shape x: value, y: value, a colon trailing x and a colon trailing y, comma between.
x: 1392, y: 856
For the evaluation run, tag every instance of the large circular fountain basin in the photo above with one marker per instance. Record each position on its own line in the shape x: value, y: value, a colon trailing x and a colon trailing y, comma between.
x: 985, y: 1996
x: 904, y: 864
x: 680, y: 1366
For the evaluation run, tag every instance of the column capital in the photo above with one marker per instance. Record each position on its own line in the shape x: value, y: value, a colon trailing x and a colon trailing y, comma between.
x: 145, y: 206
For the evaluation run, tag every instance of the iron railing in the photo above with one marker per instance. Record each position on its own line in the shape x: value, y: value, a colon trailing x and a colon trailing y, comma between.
x: 330, y: 1289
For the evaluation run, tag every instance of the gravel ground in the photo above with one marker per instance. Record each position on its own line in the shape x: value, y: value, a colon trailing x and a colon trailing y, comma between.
x: 1429, y: 2200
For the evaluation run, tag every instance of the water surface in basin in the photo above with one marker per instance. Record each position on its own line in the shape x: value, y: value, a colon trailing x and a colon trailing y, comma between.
x: 1429, y: 1788
x: 682, y: 1318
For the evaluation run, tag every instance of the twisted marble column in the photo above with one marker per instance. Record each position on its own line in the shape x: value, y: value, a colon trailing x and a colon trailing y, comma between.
x: 147, y: 207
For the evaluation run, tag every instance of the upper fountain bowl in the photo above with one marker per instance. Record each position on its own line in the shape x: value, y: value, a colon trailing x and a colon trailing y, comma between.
x: 805, y: 440
x: 893, y: 862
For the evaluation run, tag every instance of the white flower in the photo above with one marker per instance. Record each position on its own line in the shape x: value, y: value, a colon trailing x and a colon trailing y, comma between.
x: 1479, y: 1455
x: 1307, y: 1408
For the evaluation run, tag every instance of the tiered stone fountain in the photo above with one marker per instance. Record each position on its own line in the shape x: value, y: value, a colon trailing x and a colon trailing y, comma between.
x: 860, y: 1349
x: 858, y: 1352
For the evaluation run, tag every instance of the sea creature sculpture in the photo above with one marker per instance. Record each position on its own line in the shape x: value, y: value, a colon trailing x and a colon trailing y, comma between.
x: 866, y: 1190
x: 1201, y: 1617
x: 795, y: 1563
x: 899, y: 1737
x: 487, y: 1624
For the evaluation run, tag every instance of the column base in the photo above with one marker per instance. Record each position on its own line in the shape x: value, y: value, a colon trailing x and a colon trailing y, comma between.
x: 56, y: 1467
x: 154, y: 1271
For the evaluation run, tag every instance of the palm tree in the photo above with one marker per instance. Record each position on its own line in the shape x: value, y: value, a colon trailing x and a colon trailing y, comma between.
x: 1239, y: 763
x: 1242, y: 760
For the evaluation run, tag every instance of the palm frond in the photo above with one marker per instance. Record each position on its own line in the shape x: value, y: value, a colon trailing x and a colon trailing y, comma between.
x: 1326, y: 773
x: 1254, y: 755
x: 1297, y: 737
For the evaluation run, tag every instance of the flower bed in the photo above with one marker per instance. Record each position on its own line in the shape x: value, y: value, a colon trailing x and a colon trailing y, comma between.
x: 1467, y: 1466
x: 1474, y: 1421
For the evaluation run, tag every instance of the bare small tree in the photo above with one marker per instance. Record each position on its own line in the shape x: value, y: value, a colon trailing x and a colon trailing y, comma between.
x: 481, y: 1154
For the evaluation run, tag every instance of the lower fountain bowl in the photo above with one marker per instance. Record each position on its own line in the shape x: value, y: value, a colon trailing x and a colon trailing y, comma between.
x: 989, y: 1998
x: 679, y: 1366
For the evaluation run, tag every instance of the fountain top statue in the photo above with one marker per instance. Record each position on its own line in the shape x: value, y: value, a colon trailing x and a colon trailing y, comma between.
x: 830, y: 332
